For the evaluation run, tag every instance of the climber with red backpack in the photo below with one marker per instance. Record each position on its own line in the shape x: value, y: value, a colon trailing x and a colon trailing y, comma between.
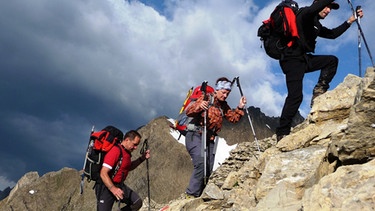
x: 116, y: 165
x: 300, y: 58
x: 207, y: 114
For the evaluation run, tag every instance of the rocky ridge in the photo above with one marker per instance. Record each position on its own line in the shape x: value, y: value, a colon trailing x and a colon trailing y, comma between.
x: 326, y: 163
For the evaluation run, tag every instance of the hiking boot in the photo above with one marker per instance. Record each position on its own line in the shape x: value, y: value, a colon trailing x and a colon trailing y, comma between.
x: 188, y: 196
x: 318, y: 90
x: 279, y: 137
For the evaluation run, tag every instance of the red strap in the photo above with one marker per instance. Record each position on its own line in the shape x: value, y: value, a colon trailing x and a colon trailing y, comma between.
x: 292, y: 22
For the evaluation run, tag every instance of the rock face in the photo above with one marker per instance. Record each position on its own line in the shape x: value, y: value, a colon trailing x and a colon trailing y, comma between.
x: 53, y: 191
x: 263, y: 125
x: 169, y: 172
x: 326, y: 163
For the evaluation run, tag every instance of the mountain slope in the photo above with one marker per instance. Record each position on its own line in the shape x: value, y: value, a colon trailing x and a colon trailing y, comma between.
x: 325, y: 163
x: 169, y: 172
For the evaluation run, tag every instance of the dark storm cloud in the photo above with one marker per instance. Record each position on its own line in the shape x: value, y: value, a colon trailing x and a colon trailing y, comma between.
x: 56, y: 83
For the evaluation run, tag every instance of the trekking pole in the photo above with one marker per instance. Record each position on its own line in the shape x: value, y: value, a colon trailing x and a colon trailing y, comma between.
x: 84, y: 163
x: 232, y: 82
x: 361, y: 32
x: 204, y: 135
x: 143, y: 150
x: 359, y: 45
x: 216, y: 145
x: 247, y: 112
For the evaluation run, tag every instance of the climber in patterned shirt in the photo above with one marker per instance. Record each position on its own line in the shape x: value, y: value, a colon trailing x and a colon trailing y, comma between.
x: 217, y: 108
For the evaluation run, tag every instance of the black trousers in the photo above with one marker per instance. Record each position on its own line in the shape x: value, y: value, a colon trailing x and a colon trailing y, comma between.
x: 105, y: 198
x: 294, y: 69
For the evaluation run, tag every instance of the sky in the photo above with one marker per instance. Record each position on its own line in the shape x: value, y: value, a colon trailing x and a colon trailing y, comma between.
x: 68, y: 65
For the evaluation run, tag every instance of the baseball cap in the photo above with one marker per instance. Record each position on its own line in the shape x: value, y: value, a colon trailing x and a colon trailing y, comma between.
x: 333, y: 5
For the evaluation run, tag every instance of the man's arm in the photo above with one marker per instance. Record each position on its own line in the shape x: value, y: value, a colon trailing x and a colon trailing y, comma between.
x: 336, y: 32
x: 137, y: 162
x: 233, y: 115
x: 104, y: 175
x: 113, y: 154
x: 195, y: 107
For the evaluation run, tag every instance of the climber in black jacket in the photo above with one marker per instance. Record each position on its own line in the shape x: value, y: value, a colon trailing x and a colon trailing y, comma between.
x: 300, y: 60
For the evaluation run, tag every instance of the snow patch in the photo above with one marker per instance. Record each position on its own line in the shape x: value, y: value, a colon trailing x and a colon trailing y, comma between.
x: 222, y: 152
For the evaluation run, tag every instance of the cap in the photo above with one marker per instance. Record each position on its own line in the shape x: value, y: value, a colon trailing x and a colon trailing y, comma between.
x: 333, y: 5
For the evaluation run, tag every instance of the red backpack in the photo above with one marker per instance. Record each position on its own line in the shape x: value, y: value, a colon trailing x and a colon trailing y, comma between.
x: 100, y: 143
x: 280, y: 32
x: 182, y: 121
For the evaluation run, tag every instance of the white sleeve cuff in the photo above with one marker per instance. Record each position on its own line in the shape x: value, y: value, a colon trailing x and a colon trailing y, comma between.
x: 106, y: 165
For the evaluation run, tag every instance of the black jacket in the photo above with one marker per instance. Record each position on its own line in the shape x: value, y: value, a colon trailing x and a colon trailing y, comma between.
x: 309, y: 27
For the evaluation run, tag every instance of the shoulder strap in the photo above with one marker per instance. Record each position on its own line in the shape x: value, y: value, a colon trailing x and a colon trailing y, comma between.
x: 118, y: 165
x: 301, y: 40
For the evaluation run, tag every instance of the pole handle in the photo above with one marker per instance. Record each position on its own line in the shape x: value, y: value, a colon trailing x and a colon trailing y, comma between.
x: 144, y: 146
x: 361, y: 32
x: 239, y: 85
x: 204, y: 89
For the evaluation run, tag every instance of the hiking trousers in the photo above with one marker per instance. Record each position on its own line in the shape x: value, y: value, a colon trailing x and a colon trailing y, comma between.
x: 105, y: 199
x: 294, y: 69
x: 193, y: 143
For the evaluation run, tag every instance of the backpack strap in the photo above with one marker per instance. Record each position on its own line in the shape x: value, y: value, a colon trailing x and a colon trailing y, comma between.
x: 301, y: 41
x: 119, y: 162
x: 291, y: 25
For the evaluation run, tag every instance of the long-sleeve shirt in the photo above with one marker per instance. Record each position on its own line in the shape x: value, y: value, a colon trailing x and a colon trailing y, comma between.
x: 215, y: 114
x: 309, y: 27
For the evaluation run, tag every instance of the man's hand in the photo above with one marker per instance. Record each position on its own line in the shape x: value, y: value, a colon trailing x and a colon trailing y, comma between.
x: 204, y: 105
x: 242, y: 103
x: 117, y: 192
x: 353, y: 18
x: 359, y: 11
x: 146, y: 155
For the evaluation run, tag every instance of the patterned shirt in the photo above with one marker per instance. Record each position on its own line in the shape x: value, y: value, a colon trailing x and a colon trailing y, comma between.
x: 216, y: 112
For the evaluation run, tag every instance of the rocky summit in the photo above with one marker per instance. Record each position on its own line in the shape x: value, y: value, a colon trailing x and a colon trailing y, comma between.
x: 326, y: 163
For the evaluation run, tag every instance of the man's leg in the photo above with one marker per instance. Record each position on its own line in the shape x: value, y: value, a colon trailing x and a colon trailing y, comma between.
x: 211, y: 156
x: 194, y: 146
x: 131, y: 198
x: 291, y: 106
x: 294, y: 70
x: 104, y: 198
x: 328, y: 66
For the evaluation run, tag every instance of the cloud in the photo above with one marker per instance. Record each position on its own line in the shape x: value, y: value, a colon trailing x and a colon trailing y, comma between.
x: 68, y: 65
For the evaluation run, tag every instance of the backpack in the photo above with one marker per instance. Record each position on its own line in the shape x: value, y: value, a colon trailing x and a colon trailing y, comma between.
x: 279, y: 32
x: 182, y: 122
x: 100, y: 143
